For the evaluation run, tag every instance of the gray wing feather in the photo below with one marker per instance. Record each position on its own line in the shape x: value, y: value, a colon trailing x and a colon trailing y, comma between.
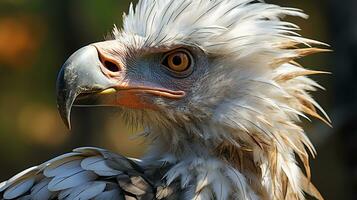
x: 99, y: 166
x: 28, y: 173
x: 67, y: 167
x: 19, y: 188
x: 71, y: 180
x: 86, y: 191
x: 40, y: 191
x: 87, y: 173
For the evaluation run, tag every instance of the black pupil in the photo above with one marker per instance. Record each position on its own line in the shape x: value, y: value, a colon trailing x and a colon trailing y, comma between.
x: 176, y: 60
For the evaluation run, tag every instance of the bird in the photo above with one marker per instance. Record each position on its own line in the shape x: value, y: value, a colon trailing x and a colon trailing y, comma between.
x: 216, y: 86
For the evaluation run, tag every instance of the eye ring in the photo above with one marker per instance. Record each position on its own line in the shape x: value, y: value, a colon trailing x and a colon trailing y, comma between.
x: 179, y: 62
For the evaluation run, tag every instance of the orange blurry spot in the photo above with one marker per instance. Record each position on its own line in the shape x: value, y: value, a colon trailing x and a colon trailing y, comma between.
x: 19, y: 40
x: 41, y: 125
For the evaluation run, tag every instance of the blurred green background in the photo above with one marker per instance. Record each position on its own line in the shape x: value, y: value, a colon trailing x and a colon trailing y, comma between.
x: 37, y: 36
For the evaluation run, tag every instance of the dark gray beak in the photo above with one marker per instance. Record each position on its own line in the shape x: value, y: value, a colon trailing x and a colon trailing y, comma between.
x: 80, y: 74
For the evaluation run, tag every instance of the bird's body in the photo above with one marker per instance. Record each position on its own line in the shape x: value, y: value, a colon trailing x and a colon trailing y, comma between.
x: 215, y: 85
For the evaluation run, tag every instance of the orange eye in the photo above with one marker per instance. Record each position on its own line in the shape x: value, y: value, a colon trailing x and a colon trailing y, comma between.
x: 177, y: 61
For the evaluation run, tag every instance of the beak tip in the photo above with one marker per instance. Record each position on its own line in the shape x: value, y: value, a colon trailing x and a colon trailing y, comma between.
x: 65, y: 116
x: 67, y: 123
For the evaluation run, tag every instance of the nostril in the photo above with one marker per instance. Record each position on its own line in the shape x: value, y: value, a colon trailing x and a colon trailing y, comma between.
x: 108, y: 62
x: 111, y: 66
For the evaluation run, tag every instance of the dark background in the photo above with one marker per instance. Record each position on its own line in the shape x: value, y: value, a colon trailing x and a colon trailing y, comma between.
x: 37, y: 36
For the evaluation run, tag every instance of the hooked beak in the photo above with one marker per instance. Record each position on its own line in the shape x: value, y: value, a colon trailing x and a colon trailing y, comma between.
x: 82, y: 81
x: 78, y: 75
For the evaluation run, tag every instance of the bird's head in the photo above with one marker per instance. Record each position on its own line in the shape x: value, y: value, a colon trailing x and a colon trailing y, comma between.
x: 193, y: 64
x: 113, y: 73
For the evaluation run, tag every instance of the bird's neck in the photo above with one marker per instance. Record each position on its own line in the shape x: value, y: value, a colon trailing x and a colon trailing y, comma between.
x: 194, y: 159
x: 263, y: 163
x: 181, y: 145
